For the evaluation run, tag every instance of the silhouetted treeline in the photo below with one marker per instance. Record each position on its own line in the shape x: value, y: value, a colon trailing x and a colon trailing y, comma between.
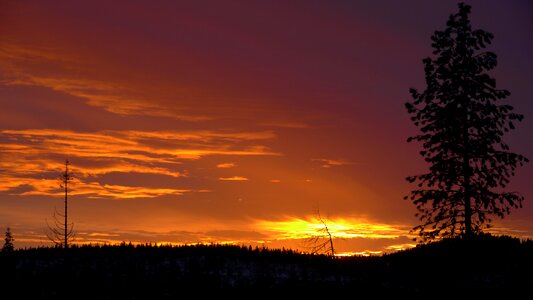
x: 484, y: 265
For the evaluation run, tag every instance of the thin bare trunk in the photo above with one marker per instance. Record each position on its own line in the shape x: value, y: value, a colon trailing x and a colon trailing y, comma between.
x: 65, y: 184
x: 61, y: 231
x: 329, y: 237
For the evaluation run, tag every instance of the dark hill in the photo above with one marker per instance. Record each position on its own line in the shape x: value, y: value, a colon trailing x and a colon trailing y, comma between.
x: 484, y: 265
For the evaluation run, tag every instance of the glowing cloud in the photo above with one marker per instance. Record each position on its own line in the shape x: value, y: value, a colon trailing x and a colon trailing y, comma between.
x: 328, y: 163
x: 400, y: 247
x: 50, y: 187
x: 234, y: 178
x: 359, y: 253
x: 99, y: 153
x: 226, y: 165
x: 132, y: 146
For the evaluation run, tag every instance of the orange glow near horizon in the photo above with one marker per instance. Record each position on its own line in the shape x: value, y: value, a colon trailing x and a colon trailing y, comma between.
x: 340, y: 228
x: 291, y: 233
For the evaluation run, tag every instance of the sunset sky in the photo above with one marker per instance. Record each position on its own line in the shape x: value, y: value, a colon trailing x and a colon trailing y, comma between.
x: 231, y: 121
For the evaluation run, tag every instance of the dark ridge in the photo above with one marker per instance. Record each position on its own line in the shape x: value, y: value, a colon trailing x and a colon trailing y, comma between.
x: 482, y: 265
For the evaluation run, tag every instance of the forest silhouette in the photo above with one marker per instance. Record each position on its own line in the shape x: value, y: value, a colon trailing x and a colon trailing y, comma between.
x: 484, y: 265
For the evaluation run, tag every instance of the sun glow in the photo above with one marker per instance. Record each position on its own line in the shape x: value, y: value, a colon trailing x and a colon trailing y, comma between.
x: 359, y: 253
x: 346, y: 228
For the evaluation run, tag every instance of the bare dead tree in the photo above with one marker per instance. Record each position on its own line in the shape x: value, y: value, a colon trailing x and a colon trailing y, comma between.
x: 61, y: 232
x: 322, y: 241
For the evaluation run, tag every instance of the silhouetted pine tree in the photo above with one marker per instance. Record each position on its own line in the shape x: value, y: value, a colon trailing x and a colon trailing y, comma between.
x: 8, y: 244
x: 462, y: 120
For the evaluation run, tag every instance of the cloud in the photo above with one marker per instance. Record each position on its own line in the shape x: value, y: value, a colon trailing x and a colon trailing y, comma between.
x: 112, y: 98
x: 8, y: 183
x: 226, y: 165
x: 19, y: 64
x: 102, y: 234
x: 328, y: 163
x: 133, y: 146
x: 74, y: 73
x: 14, y: 54
x: 359, y: 253
x: 401, y: 246
x: 234, y: 178
x: 27, y: 186
x: 521, y: 232
x: 28, y: 155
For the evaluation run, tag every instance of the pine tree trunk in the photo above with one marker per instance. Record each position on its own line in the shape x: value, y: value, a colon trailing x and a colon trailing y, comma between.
x: 468, y: 208
x: 466, y: 173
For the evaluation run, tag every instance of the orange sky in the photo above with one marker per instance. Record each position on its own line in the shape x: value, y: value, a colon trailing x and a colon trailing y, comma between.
x: 230, y: 122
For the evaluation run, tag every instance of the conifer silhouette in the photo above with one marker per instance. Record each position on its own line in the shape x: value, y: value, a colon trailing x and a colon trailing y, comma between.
x: 462, y: 120
x: 8, y: 244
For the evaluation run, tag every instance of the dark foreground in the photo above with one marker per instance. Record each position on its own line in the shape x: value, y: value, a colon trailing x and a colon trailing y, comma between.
x: 485, y: 266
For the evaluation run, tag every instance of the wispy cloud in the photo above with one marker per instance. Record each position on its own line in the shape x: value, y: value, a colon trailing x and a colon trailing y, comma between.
x: 28, y: 186
x: 18, y: 64
x: 401, y: 246
x: 12, y: 54
x: 359, y: 253
x: 526, y: 233
x: 98, y: 190
x: 140, y: 146
x: 26, y: 155
x: 233, y: 178
x: 328, y: 163
x: 113, y: 98
x: 226, y: 165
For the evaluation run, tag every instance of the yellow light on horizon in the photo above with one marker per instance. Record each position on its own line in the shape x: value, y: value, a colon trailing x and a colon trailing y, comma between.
x: 302, y: 228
